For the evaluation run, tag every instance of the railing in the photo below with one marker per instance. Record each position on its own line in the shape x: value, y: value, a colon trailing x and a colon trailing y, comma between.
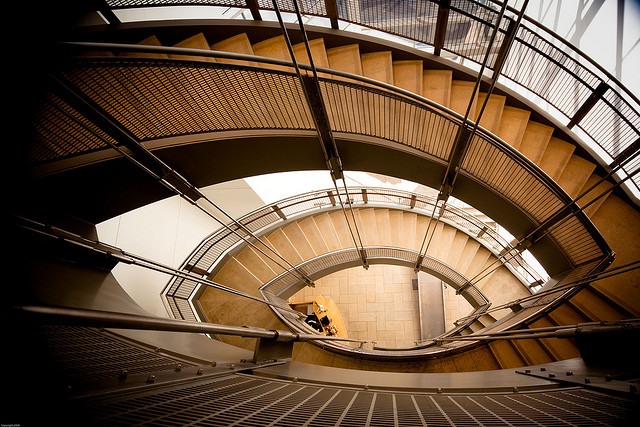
x: 211, y: 251
x: 540, y: 64
x: 148, y: 98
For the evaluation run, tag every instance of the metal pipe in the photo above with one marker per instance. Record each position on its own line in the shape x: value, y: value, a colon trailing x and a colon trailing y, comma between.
x: 107, y: 319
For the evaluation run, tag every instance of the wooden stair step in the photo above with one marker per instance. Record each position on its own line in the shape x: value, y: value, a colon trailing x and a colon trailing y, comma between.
x: 532, y: 352
x: 284, y: 247
x: 435, y: 248
x: 383, y: 225
x: 461, y: 95
x: 235, y: 275
x: 560, y: 349
x: 478, y: 262
x: 455, y: 250
x: 409, y: 221
x: 535, y: 140
x: 556, y: 157
x: 436, y: 86
x: 314, y: 236
x: 445, y: 240
x: 492, y: 114
x: 197, y: 41
x: 237, y: 44
x: 513, y: 125
x: 299, y: 241
x: 420, y: 229
x: 595, y: 308
x: 599, y: 189
x: 469, y: 251
x: 328, y: 232
x: 506, y: 354
x: 341, y: 225
x: 369, y: 228
x: 345, y: 58
x: 407, y: 74
x: 396, y: 230
x: 575, y: 175
x: 249, y: 258
x: 378, y: 66
x: 149, y: 41
x: 318, y: 53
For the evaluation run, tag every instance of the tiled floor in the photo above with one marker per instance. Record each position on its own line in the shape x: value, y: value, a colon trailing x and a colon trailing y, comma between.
x: 379, y: 304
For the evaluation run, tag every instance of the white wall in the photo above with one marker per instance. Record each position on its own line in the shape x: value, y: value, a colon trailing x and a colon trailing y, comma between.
x: 167, y: 232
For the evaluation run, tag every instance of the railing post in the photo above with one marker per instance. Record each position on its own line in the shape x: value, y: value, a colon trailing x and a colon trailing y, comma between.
x: 331, y: 7
x: 441, y: 26
x: 253, y: 7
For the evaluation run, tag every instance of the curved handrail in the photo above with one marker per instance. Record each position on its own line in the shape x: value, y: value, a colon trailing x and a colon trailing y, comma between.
x: 614, y: 105
x: 524, y: 185
x: 213, y: 248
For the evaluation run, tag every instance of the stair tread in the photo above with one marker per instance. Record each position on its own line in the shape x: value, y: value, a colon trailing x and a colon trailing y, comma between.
x: 461, y: 95
x: 378, y: 66
x: 436, y: 86
x: 196, y: 41
x: 318, y: 53
x: 237, y: 44
x: 535, y: 140
x: 299, y: 241
x: 149, y: 41
x: 575, y: 175
x: 556, y: 156
x: 345, y: 58
x: 313, y: 235
x: 513, y: 124
x: 407, y: 74
x: 492, y: 114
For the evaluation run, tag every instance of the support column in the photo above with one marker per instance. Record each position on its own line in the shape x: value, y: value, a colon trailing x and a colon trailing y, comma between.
x: 431, y: 300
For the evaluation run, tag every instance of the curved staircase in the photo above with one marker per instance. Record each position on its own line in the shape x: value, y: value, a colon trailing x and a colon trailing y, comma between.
x: 544, y: 145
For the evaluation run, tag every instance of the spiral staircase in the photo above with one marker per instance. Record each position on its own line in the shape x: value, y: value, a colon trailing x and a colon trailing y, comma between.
x: 197, y: 103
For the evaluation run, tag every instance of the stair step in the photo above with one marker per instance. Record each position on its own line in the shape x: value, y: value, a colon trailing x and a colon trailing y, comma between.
x: 593, y: 208
x: 369, y: 229
x: 420, y: 229
x: 384, y: 230
x: 378, y: 66
x: 556, y: 157
x: 342, y: 228
x: 436, y: 86
x: 435, y: 248
x: 299, y: 241
x: 595, y: 308
x: 478, y: 262
x: 575, y: 174
x: 274, y: 47
x: 345, y: 58
x: 532, y: 352
x: 197, y: 41
x: 565, y: 315
x: 237, y: 44
x: 281, y: 243
x: 560, y: 349
x: 456, y: 248
x: 535, y: 140
x: 255, y: 264
x: 396, y: 230
x: 467, y: 254
x: 407, y: 74
x: 264, y: 250
x: 506, y: 355
x: 313, y: 235
x: 149, y: 41
x: 444, y: 242
x: 235, y: 275
x: 513, y: 125
x: 492, y: 114
x: 461, y: 95
x: 318, y: 53
x: 409, y: 221
x: 328, y: 232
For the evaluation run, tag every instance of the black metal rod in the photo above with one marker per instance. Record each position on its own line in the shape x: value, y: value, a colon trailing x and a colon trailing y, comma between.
x: 108, y: 319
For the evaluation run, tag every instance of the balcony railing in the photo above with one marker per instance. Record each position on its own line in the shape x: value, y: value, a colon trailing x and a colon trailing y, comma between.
x: 213, y: 249
x: 541, y: 65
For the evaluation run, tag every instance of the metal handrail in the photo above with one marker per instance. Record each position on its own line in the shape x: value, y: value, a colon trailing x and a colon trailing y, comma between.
x: 470, y: 9
x: 221, y: 242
